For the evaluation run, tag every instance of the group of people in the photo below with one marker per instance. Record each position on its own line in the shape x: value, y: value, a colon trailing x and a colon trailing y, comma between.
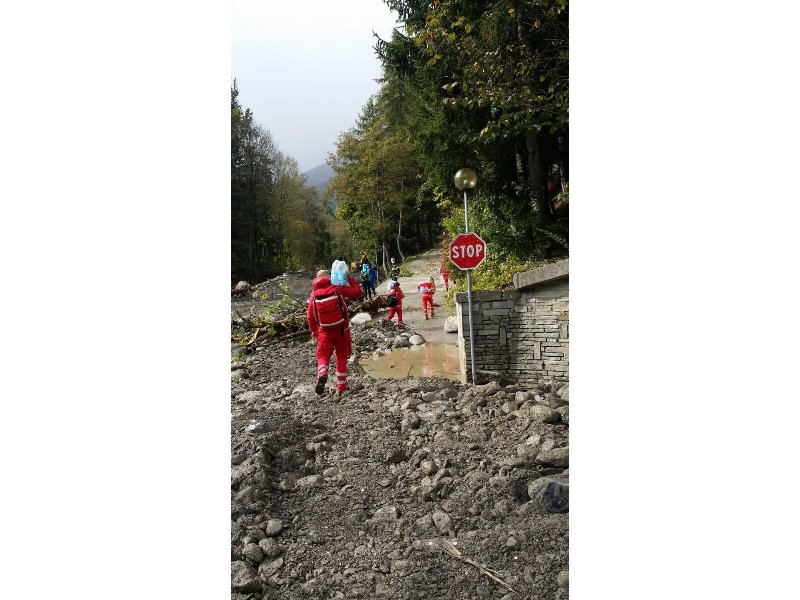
x: 369, y: 278
x: 329, y: 318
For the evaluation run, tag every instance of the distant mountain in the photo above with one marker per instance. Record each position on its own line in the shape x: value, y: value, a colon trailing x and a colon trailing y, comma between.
x: 319, y: 177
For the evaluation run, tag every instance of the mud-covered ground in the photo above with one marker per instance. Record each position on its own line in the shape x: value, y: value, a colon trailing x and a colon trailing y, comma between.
x: 373, y: 495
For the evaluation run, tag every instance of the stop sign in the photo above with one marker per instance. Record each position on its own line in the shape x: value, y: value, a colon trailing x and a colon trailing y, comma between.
x: 467, y: 251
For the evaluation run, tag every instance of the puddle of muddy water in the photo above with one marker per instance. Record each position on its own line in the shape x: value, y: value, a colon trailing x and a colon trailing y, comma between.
x: 427, y: 360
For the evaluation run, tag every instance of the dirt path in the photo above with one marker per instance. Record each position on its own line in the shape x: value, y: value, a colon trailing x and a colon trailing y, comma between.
x: 422, y: 267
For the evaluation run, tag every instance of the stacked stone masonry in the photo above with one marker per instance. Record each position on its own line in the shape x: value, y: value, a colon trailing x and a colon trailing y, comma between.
x: 521, y: 333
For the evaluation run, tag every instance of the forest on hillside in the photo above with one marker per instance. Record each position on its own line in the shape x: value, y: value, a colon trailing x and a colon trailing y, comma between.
x: 465, y: 84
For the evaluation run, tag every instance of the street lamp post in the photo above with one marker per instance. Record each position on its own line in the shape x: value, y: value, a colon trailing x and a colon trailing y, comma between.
x: 466, y: 179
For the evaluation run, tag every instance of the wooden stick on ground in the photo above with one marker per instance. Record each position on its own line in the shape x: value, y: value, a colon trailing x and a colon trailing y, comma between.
x: 255, y: 335
x: 483, y: 569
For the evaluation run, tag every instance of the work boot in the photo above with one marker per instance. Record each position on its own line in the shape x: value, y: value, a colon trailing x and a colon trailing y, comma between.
x: 322, y: 379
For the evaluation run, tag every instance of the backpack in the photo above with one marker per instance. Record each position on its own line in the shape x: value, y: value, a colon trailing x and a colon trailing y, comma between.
x: 391, y: 300
x: 329, y: 310
x: 364, y: 277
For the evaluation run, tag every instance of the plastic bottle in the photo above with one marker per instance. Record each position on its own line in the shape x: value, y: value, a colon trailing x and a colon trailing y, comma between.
x: 339, y: 273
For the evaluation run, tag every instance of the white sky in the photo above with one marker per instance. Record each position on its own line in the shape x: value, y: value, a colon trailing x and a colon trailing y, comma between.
x: 305, y: 68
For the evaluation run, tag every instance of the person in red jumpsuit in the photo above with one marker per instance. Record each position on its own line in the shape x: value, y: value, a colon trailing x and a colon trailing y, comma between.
x: 397, y: 309
x: 428, y: 289
x: 329, y: 323
x: 445, y: 274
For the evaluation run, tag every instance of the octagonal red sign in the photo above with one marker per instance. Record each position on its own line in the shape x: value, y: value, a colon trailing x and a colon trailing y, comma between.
x: 467, y: 251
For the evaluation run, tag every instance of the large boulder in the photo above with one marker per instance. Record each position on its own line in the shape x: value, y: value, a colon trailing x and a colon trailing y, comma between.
x: 555, y: 457
x: 543, y: 414
x: 361, y: 318
x: 416, y: 339
x: 244, y: 577
x: 241, y: 287
x: 549, y: 495
x: 451, y: 325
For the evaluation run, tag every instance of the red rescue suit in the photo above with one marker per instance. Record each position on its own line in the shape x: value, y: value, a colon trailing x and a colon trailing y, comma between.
x: 335, y: 337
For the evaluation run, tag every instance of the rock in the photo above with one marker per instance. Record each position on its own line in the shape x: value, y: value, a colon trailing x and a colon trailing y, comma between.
x: 552, y: 401
x: 429, y: 397
x: 512, y: 543
x: 548, y: 444
x: 556, y: 457
x: 309, y: 480
x: 244, y: 578
x: 423, y: 524
x: 419, y: 455
x: 274, y: 527
x: 533, y: 440
x: 396, y: 457
x: 428, y: 467
x: 249, y: 396
x: 241, y: 287
x: 257, y: 427
x: 522, y: 397
x: 508, y: 407
x: 526, y: 451
x: 253, y: 536
x: 361, y: 318
x: 411, y: 421
x: 442, y: 521
x: 488, y: 389
x: 563, y: 579
x: 416, y: 339
x: 401, y: 341
x: 268, y: 569
x: 331, y: 473
x: 287, y: 484
x: 449, y: 394
x: 400, y: 567
x: 564, y: 412
x: 563, y: 392
x: 543, y: 414
x: 549, y: 495
x: 270, y: 548
x: 386, y: 513
x: 253, y: 552
x: 451, y: 325
x: 238, y: 374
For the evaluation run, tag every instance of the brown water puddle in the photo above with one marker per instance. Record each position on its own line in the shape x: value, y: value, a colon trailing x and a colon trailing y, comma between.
x: 427, y: 360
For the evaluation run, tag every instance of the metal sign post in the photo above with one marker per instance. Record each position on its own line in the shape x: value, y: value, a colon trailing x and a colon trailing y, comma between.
x: 467, y: 179
x: 469, y: 297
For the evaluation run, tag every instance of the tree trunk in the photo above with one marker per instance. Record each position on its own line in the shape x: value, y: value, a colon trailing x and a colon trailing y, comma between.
x: 538, y: 178
x: 540, y: 203
x: 399, y: 233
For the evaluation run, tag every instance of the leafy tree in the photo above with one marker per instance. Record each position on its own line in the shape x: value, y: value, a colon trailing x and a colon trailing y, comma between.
x: 277, y: 221
x: 490, y: 81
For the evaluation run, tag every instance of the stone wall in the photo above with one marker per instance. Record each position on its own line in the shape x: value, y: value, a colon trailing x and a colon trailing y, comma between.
x: 521, y: 333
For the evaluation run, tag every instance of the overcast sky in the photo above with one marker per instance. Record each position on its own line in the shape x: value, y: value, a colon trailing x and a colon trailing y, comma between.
x: 306, y: 67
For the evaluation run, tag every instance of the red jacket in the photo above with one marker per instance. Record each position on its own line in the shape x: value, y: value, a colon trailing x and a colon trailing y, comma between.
x: 396, y: 291
x: 322, y: 286
x: 426, y: 287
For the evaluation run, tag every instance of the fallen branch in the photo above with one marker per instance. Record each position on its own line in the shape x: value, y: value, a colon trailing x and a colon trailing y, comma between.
x: 453, y: 551
x: 253, y: 339
x: 285, y: 338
